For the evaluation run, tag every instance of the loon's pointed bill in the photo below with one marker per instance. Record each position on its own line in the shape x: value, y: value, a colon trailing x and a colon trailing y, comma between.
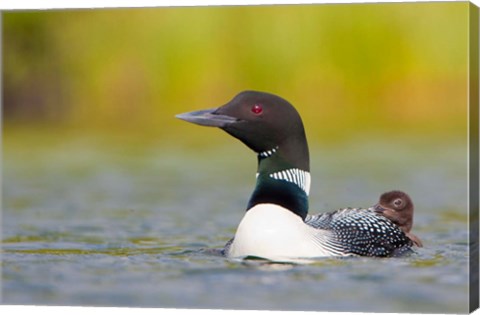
x: 207, y: 117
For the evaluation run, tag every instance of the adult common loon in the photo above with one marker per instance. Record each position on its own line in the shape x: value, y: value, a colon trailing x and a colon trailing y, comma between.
x: 276, y: 224
x: 397, y: 206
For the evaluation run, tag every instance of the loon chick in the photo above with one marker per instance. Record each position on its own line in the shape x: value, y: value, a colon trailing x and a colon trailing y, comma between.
x: 275, y: 225
x: 397, y: 206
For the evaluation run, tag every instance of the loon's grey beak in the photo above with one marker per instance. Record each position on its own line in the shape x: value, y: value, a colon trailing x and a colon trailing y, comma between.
x: 207, y: 117
x: 378, y: 208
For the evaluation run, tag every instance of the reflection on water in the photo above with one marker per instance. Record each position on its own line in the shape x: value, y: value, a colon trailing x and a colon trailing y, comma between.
x: 84, y: 225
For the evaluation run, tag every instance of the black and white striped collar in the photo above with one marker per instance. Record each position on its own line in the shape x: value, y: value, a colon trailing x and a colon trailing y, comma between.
x: 268, y: 153
x: 295, y: 176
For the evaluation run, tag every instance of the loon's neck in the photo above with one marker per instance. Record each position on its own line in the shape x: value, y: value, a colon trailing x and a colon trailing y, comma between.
x: 283, y: 178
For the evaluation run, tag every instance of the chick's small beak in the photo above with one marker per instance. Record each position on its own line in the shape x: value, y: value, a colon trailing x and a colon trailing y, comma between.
x: 207, y: 117
x: 378, y: 208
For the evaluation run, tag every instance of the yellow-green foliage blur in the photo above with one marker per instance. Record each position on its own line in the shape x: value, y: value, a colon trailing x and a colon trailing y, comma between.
x: 348, y: 68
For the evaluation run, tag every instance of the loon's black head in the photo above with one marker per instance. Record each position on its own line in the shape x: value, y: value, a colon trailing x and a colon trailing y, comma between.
x: 270, y: 126
x: 262, y: 121
x: 398, y: 207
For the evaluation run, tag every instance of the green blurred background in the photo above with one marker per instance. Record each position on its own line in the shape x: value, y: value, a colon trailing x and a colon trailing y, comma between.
x: 350, y: 69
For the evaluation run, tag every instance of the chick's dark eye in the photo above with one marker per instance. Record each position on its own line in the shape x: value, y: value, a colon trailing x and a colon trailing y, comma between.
x: 398, y: 202
x: 257, y: 109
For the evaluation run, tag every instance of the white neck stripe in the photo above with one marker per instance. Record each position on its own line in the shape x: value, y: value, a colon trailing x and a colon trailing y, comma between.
x: 296, y: 176
x: 268, y: 153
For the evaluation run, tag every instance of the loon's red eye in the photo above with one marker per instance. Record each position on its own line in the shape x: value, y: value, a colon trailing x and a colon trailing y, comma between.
x: 257, y: 109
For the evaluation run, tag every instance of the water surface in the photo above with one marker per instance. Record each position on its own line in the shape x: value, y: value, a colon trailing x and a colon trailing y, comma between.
x: 100, y: 222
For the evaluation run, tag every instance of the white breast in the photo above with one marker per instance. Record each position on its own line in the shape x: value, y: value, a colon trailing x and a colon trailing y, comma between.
x: 273, y: 232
